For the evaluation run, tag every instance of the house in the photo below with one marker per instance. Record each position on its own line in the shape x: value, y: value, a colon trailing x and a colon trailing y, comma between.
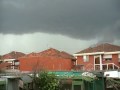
x: 4, y: 66
x: 103, y: 56
x: 12, y: 59
x: 50, y: 59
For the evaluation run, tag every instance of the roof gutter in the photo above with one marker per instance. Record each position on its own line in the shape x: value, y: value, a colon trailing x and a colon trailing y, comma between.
x: 95, y: 53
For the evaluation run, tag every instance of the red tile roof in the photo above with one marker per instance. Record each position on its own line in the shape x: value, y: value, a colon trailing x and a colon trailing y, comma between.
x: 56, y: 53
x: 51, y: 52
x: 13, y: 55
x: 31, y: 54
x: 66, y: 55
x: 105, y: 47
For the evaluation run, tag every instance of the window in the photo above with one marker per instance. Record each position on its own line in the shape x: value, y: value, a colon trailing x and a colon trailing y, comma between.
x: 17, y: 63
x: 107, y: 57
x: 86, y: 58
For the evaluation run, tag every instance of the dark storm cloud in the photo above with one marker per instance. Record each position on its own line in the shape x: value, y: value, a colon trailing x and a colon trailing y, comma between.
x: 84, y: 19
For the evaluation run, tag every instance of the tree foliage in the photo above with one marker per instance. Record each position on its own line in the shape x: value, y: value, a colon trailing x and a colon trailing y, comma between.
x: 45, y: 81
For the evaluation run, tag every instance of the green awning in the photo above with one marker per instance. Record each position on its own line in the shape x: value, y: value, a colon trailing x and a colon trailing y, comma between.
x: 67, y: 74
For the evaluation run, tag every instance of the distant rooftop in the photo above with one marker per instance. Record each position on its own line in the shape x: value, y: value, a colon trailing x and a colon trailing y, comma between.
x: 12, y: 55
x: 104, y: 47
x: 51, y: 52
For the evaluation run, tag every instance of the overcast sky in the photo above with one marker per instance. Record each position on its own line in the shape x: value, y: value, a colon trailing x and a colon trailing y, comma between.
x: 69, y: 25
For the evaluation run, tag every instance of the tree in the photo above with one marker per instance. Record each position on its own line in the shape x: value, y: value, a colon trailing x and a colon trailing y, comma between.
x: 46, y: 81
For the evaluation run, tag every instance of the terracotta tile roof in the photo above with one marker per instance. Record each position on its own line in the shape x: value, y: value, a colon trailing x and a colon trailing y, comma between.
x: 56, y: 53
x: 51, y: 52
x: 13, y: 55
x: 105, y: 47
x: 4, y: 65
x: 31, y: 54
x: 66, y: 55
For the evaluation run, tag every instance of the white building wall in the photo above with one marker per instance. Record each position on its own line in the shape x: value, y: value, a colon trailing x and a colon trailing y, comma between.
x: 113, y: 74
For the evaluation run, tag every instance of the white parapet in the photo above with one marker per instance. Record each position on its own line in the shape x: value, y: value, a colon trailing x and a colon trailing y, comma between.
x: 112, y: 74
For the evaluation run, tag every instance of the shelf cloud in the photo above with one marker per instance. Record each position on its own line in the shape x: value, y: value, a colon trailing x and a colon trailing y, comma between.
x: 79, y: 19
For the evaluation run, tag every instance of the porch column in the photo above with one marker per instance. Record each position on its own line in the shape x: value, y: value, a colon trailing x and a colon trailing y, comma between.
x: 100, y: 62
x: 76, y: 60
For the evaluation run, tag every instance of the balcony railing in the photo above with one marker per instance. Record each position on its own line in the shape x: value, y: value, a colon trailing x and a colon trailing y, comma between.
x: 107, y: 66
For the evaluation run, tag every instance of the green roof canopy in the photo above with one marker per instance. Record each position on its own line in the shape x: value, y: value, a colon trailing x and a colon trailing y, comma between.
x: 67, y: 74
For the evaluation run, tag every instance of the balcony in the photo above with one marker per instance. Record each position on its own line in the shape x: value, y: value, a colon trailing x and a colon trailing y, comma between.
x: 107, y: 66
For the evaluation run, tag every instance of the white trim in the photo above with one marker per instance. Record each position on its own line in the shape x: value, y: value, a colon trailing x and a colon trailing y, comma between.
x: 9, y: 60
x: 88, y: 53
x: 119, y: 56
x: 76, y: 57
x: 107, y: 56
x: 94, y: 53
x: 116, y: 52
x: 100, y: 61
x: 94, y: 62
x: 76, y: 62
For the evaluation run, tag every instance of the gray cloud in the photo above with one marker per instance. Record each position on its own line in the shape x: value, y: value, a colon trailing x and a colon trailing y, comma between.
x: 81, y: 19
